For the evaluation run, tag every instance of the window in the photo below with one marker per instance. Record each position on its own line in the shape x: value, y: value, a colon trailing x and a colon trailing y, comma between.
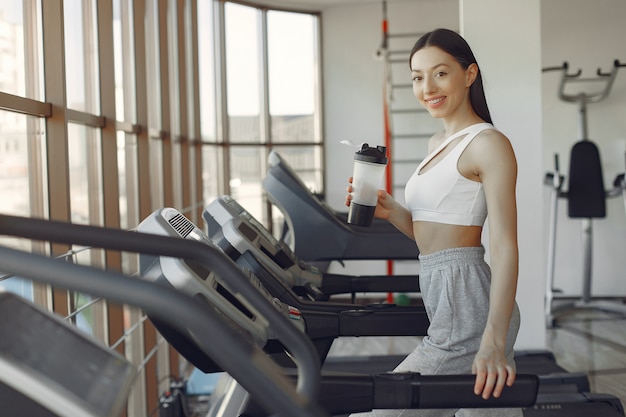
x: 110, y: 110
x: 81, y: 55
x: 292, y: 63
x: 271, y: 83
x: 22, y: 136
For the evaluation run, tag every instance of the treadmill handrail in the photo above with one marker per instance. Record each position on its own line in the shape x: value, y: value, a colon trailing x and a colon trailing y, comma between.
x: 173, y: 307
x: 209, y: 257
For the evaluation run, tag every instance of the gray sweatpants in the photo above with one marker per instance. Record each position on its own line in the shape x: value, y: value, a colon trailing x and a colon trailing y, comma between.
x: 455, y: 289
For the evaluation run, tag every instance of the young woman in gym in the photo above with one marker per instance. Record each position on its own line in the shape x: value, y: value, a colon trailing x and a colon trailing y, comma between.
x: 470, y: 171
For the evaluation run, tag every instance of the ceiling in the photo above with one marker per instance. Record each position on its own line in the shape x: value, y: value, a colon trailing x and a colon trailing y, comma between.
x: 312, y: 4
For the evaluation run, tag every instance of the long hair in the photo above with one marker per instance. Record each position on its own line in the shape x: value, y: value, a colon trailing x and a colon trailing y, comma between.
x: 454, y: 44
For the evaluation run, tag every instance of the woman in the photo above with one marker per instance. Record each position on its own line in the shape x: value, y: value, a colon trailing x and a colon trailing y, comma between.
x: 470, y: 170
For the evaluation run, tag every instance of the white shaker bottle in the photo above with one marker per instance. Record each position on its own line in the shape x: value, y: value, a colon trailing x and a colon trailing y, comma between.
x: 367, y: 177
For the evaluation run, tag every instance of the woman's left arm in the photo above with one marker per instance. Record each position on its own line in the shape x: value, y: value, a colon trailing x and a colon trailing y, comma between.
x: 497, y: 169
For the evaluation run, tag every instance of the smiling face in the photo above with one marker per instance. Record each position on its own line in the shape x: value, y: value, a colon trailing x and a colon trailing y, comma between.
x: 440, y: 83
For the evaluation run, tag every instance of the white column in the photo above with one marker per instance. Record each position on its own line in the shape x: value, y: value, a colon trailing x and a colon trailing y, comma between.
x: 505, y: 36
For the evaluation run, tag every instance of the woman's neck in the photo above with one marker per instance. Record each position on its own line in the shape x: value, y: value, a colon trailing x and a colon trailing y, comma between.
x: 455, y: 124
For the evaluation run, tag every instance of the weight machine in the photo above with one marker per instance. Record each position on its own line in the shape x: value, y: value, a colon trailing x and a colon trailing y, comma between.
x: 586, y: 195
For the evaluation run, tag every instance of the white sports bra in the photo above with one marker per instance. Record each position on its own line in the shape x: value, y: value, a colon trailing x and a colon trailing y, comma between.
x: 442, y: 194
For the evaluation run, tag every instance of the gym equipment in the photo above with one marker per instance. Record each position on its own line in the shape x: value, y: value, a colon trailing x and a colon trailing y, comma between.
x: 325, y: 321
x: 50, y: 368
x: 195, y: 320
x: 198, y: 319
x: 318, y: 233
x: 237, y: 232
x: 171, y: 222
x: 586, y: 195
x: 241, y: 236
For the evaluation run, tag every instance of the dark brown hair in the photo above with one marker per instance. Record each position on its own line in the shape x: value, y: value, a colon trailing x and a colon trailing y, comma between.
x: 454, y: 44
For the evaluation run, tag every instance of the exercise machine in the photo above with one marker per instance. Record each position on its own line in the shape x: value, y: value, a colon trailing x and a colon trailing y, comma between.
x: 363, y: 320
x: 319, y: 234
x: 322, y: 321
x: 373, y: 320
x: 198, y: 320
x: 586, y: 195
x: 193, y: 319
x: 237, y: 232
x: 50, y: 368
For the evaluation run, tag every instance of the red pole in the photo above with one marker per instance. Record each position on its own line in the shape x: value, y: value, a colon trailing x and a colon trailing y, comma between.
x: 387, y: 123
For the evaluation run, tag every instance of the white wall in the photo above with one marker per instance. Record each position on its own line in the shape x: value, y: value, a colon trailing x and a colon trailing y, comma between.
x: 589, y: 35
x: 498, y: 31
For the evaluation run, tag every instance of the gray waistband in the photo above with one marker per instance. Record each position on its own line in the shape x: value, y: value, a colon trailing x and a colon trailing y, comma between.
x: 471, y: 253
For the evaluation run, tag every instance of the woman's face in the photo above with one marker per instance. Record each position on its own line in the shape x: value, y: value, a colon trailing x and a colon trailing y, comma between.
x: 439, y: 81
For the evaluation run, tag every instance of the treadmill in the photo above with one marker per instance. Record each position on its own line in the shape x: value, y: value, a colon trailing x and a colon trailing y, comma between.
x: 322, y: 321
x: 237, y: 232
x: 197, y: 320
x: 48, y: 367
x: 384, y: 320
x: 320, y: 234
x: 234, y: 230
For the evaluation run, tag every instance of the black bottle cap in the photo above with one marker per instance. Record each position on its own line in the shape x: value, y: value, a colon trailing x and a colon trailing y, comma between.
x: 375, y: 155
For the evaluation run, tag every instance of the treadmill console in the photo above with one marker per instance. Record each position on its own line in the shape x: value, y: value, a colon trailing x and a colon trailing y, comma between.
x: 50, y: 368
x: 231, y: 225
x: 196, y: 281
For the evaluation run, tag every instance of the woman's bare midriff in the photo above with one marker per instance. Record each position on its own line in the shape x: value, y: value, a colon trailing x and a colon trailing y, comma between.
x: 433, y: 237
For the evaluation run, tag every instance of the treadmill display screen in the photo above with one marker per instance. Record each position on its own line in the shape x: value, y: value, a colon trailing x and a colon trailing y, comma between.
x: 259, y: 228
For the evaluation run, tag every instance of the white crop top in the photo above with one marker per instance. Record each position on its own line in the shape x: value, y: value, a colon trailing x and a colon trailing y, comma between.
x: 442, y: 194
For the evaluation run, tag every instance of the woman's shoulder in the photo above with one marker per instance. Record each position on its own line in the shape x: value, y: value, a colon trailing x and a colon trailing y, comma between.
x: 491, y: 144
x: 491, y: 135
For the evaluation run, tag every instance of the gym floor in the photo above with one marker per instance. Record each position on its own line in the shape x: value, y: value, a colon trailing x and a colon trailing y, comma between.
x: 594, y: 342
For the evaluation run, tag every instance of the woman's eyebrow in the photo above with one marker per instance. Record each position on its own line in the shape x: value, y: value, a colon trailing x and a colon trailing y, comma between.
x: 431, y: 68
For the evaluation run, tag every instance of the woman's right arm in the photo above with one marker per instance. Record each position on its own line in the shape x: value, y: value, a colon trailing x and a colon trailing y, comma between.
x: 389, y: 209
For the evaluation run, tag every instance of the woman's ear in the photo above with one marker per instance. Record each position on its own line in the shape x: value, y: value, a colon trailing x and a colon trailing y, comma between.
x: 470, y: 74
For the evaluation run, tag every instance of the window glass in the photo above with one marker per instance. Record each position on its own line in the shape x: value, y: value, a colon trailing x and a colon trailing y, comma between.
x: 173, y: 68
x: 127, y: 169
x: 243, y: 72
x: 156, y: 172
x: 22, y: 170
x: 206, y: 71
x: 20, y: 44
x: 124, y: 64
x: 245, y: 178
x: 81, y: 48
x: 22, y: 183
x: 153, y: 72
x: 85, y: 164
x: 292, y: 69
x: 210, y: 172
